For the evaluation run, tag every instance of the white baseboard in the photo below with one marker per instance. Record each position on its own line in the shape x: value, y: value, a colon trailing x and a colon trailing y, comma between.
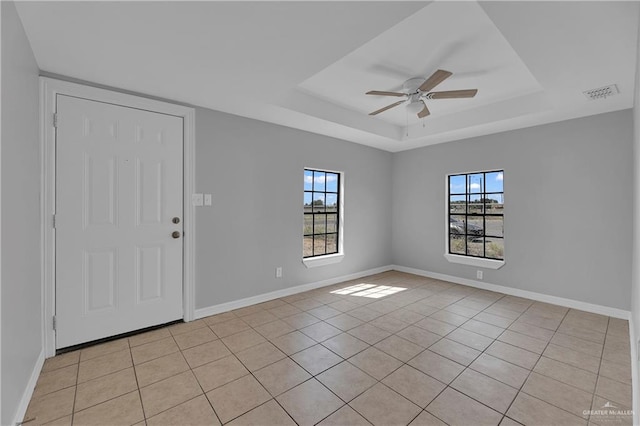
x: 28, y: 391
x: 540, y: 297
x: 236, y: 304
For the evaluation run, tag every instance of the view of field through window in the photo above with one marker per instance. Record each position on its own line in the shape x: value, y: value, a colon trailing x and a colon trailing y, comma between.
x: 476, y: 214
x: 321, y: 212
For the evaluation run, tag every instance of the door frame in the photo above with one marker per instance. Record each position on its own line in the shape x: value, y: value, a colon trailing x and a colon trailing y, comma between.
x: 49, y: 89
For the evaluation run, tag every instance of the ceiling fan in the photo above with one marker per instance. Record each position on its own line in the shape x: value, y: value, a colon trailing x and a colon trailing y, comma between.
x: 416, y: 91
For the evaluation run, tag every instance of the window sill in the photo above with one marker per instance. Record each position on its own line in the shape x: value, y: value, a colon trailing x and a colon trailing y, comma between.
x: 474, y: 261
x: 323, y: 260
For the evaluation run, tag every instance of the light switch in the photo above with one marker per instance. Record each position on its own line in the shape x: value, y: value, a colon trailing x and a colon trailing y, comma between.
x: 207, y: 199
x: 196, y: 199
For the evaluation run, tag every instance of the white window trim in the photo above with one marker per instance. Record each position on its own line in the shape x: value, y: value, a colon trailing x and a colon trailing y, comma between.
x: 456, y: 258
x: 329, y: 259
x: 473, y: 261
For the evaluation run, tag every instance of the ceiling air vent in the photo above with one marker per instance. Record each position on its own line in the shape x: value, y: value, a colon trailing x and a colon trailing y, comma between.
x: 602, y: 92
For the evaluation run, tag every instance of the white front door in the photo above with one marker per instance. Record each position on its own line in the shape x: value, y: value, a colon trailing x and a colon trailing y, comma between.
x: 119, y: 251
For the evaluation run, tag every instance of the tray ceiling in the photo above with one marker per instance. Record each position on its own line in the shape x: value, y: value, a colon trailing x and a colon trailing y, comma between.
x: 307, y: 65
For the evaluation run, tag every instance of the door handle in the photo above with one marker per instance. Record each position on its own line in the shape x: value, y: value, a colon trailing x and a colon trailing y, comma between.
x: 175, y: 234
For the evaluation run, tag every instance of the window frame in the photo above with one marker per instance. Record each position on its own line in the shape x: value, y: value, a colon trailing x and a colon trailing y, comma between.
x: 326, y: 259
x: 465, y: 259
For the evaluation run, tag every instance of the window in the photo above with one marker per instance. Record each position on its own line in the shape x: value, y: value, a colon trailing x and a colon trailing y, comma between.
x: 321, y: 227
x: 475, y: 215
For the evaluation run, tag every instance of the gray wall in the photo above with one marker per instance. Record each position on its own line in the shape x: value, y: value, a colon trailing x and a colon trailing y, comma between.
x: 255, y: 172
x: 568, y: 202
x: 21, y: 317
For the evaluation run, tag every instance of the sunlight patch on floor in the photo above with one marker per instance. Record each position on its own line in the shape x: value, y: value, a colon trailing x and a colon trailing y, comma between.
x: 369, y: 290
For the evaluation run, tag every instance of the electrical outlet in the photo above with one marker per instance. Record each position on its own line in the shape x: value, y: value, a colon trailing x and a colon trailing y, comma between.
x: 479, y: 274
x: 279, y: 272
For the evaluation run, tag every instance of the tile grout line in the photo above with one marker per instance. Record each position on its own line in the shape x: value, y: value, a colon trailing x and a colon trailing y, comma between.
x: 496, y: 339
x: 75, y: 393
x: 150, y: 360
x: 254, y: 377
x: 74, y: 412
x: 314, y: 376
x: 534, y: 366
x: 135, y: 374
x: 448, y: 385
x: 87, y: 381
x: 165, y: 378
x: 441, y: 337
x: 595, y: 389
x: 531, y: 371
x: 539, y: 355
x: 403, y: 363
x: 398, y: 305
x: 407, y: 362
x: 215, y: 413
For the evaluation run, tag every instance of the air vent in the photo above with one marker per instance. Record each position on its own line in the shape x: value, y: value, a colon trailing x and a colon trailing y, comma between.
x: 602, y: 92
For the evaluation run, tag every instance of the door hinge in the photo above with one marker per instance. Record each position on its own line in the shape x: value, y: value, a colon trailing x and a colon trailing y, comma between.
x: 55, y: 119
x: 54, y: 222
x: 55, y: 323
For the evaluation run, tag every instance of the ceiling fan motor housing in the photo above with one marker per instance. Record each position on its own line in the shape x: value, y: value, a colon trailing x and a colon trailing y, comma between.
x: 411, y: 86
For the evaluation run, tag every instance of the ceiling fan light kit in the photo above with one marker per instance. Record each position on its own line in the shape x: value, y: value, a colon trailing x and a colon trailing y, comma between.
x: 416, y: 90
x: 412, y: 85
x: 415, y: 107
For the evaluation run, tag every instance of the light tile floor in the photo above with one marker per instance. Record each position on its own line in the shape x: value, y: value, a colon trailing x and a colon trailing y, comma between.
x: 388, y: 349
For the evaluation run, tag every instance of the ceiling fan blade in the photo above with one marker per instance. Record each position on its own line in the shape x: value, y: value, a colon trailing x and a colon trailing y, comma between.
x: 425, y: 111
x: 379, y: 93
x: 436, y: 78
x: 386, y: 108
x: 452, y: 94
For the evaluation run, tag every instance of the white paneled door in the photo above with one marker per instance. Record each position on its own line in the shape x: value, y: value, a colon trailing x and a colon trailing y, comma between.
x: 118, y: 222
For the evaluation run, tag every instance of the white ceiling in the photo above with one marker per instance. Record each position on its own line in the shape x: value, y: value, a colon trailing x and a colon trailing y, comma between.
x: 307, y: 65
